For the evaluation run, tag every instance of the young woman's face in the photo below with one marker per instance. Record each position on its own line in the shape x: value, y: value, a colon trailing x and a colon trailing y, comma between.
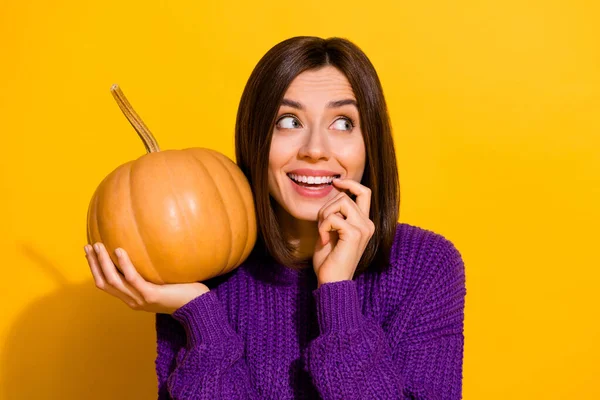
x: 316, y: 137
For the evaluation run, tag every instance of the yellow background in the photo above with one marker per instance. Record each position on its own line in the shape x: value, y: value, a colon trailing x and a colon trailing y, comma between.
x: 495, y: 107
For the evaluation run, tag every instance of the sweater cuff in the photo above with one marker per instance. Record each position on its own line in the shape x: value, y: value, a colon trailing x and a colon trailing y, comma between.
x: 338, y: 306
x: 204, y: 320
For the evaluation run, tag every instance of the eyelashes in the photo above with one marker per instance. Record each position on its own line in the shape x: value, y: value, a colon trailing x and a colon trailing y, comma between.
x: 341, y: 117
x: 351, y: 120
x: 284, y: 116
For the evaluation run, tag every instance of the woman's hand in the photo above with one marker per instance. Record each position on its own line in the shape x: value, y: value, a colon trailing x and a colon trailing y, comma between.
x: 345, y: 230
x: 134, y: 290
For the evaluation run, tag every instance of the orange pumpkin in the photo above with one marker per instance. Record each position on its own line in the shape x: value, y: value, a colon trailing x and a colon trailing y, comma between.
x: 181, y: 215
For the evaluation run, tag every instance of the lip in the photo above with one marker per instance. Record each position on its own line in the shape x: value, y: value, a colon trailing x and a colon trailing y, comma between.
x: 310, y: 193
x: 313, y: 172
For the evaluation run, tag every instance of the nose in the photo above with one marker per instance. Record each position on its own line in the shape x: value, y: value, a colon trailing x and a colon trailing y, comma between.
x: 316, y: 146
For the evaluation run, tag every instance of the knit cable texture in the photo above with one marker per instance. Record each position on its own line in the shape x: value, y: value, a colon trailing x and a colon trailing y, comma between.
x: 268, y: 332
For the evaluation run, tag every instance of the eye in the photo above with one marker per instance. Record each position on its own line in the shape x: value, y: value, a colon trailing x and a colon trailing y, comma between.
x: 343, y: 124
x: 288, y: 122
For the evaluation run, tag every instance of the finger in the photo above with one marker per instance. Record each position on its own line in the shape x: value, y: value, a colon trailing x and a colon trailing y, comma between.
x: 132, y: 276
x: 92, y: 260
x: 336, y: 198
x: 328, y: 225
x: 344, y: 229
x: 113, y: 278
x: 363, y: 193
x: 347, y: 209
x: 109, y: 271
x: 100, y: 280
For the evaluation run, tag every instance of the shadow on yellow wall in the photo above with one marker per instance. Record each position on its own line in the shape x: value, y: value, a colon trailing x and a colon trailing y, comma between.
x: 78, y: 343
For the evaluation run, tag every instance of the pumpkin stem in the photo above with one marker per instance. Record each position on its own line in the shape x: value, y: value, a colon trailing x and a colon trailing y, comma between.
x: 135, y: 120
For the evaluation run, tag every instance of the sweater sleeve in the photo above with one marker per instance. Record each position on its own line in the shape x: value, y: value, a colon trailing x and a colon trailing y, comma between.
x: 170, y: 340
x: 208, y: 362
x: 354, y: 358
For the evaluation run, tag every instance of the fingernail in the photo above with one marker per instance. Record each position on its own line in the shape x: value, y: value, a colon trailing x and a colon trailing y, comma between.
x: 86, y: 249
x: 97, y: 247
x: 118, y: 252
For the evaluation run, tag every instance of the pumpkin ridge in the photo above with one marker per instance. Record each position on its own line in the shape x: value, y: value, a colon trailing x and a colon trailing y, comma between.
x: 182, y: 210
x: 137, y: 227
x: 95, y: 223
x: 226, y: 213
x: 92, y: 217
x: 241, y: 198
x: 99, y: 230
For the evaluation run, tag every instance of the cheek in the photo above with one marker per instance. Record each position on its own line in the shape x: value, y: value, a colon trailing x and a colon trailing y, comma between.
x: 280, y: 153
x: 352, y: 157
x: 271, y: 179
x: 277, y: 159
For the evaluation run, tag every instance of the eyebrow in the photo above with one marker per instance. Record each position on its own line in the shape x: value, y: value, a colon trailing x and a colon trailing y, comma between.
x: 331, y: 104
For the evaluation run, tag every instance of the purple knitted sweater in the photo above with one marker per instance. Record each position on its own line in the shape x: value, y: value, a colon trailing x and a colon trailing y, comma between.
x: 265, y: 331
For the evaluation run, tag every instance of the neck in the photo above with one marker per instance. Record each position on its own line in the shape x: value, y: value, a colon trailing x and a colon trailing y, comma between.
x: 301, y: 234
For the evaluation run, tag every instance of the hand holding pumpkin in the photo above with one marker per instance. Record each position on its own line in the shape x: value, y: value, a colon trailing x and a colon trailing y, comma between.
x: 134, y: 290
x: 345, y: 230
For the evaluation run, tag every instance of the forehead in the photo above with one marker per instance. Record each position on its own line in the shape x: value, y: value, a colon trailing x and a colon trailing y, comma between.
x: 326, y: 83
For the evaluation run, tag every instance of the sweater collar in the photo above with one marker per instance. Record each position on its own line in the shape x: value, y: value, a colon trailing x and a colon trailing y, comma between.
x: 269, y: 270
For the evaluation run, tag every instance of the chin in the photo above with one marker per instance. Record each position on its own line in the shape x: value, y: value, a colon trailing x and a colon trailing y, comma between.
x: 301, y: 209
x: 307, y: 214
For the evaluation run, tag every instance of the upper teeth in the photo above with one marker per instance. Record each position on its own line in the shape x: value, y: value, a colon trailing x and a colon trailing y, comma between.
x: 317, y: 180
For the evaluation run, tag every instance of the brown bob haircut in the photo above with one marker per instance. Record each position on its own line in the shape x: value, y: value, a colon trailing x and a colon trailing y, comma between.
x: 258, y: 108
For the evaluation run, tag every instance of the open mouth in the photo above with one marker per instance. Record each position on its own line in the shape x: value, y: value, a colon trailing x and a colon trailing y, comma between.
x: 312, y: 182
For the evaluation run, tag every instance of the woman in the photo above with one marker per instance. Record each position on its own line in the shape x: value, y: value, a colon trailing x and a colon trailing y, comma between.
x: 337, y: 300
